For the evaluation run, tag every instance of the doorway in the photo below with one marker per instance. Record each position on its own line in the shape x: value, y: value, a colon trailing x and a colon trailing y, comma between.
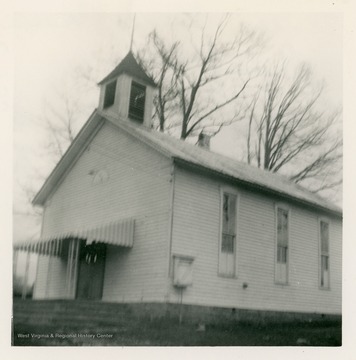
x: 91, y: 271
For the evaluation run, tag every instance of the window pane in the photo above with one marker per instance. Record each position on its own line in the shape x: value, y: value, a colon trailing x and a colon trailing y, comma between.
x: 324, y: 278
x: 282, y: 227
x: 324, y: 263
x: 229, y: 214
x: 227, y: 244
x: 225, y: 213
x: 232, y: 211
x: 324, y: 236
x: 282, y: 254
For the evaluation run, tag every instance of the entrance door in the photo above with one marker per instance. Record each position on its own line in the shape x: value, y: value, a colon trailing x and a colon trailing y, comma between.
x: 91, y: 271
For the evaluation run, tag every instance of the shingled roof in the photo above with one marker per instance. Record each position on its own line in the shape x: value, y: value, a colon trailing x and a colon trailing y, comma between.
x: 190, y: 155
x: 129, y: 66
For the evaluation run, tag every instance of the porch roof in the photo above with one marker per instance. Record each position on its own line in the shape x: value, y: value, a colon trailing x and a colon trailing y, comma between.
x: 119, y: 232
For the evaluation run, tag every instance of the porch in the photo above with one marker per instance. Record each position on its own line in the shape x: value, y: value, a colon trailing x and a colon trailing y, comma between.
x: 73, y: 262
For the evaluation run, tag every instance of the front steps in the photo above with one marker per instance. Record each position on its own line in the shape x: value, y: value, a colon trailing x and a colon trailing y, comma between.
x: 81, y: 314
x: 89, y: 314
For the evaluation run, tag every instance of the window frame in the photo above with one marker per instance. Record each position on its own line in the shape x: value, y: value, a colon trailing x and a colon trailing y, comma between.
x: 286, y: 208
x: 105, y: 102
x: 320, y: 254
x: 130, y: 114
x: 231, y: 191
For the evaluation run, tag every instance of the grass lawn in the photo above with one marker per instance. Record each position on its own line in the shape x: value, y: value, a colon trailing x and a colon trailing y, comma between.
x: 170, y: 333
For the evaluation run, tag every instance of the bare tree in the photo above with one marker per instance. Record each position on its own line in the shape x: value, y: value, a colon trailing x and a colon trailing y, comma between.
x: 192, y: 92
x: 59, y: 120
x: 67, y: 110
x: 290, y: 134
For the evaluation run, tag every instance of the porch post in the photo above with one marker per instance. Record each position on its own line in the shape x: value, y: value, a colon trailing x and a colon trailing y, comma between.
x: 49, y: 270
x: 27, y: 267
x: 69, y: 267
x: 72, y: 267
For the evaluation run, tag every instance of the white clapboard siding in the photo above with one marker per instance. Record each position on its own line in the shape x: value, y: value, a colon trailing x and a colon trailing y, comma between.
x: 140, y: 273
x: 50, y: 280
x: 56, y: 278
x: 136, y: 185
x: 39, y: 290
x: 196, y: 233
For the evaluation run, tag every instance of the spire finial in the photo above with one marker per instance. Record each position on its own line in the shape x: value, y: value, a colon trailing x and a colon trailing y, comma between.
x: 133, y: 30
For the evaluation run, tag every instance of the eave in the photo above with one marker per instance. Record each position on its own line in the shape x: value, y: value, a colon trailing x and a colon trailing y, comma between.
x: 69, y: 158
x: 256, y: 187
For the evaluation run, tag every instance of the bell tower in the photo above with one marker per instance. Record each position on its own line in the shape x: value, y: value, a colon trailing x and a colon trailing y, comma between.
x: 127, y: 92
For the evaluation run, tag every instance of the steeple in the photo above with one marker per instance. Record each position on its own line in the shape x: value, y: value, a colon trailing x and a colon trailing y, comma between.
x: 127, y: 92
x: 129, y: 66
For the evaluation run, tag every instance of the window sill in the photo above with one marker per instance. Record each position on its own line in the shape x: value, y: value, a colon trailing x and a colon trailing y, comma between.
x: 136, y: 118
x: 281, y: 283
x: 324, y: 288
x: 227, y: 276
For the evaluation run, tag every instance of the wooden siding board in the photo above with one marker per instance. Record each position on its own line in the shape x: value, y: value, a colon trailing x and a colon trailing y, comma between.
x: 56, y: 281
x: 195, y: 233
x: 39, y: 291
x: 138, y: 185
x: 142, y: 275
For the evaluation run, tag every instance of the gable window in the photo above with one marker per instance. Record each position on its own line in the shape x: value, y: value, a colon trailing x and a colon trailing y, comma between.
x: 227, y: 249
x: 137, y: 101
x: 324, y: 255
x: 282, y: 253
x: 110, y: 91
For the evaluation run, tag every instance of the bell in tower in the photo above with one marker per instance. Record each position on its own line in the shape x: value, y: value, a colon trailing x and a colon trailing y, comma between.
x: 127, y: 92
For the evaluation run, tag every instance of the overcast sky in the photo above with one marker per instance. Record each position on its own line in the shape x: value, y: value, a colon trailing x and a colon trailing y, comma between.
x: 50, y: 48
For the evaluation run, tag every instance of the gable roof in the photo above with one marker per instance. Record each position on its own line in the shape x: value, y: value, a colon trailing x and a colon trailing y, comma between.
x: 190, y: 155
x: 129, y: 66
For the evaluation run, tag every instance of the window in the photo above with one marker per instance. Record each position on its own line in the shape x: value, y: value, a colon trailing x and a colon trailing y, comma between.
x: 109, y: 97
x: 281, y: 270
x: 227, y: 251
x: 324, y: 255
x: 137, y: 101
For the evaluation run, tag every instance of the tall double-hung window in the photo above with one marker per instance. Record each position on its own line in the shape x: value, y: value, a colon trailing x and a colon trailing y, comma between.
x: 282, y: 246
x: 227, y: 250
x: 324, y: 255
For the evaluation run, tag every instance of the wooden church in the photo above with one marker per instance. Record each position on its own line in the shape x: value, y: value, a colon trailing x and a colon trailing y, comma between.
x: 132, y: 215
